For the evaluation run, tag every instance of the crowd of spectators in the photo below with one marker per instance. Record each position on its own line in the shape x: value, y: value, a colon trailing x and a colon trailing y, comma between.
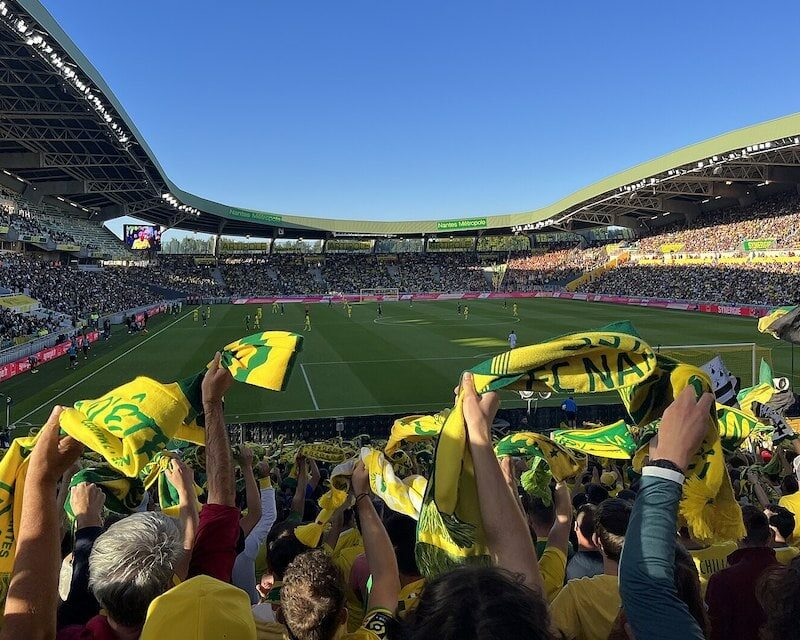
x: 601, y: 555
x: 68, y: 290
x: 15, y: 325
x: 765, y: 284
x: 528, y: 271
x: 182, y: 274
x: 724, y: 230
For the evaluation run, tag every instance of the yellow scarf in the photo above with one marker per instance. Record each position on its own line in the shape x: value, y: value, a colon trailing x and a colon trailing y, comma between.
x: 612, y: 441
x: 708, y: 504
x: 131, y: 424
x: 450, y: 531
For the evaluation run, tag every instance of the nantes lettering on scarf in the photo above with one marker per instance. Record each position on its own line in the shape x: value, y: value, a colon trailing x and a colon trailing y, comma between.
x: 603, y: 370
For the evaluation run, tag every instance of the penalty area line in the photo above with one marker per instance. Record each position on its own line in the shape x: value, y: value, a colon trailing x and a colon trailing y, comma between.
x: 99, y: 369
x: 310, y: 390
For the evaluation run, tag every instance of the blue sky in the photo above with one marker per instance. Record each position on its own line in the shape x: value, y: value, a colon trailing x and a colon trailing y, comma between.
x: 384, y: 109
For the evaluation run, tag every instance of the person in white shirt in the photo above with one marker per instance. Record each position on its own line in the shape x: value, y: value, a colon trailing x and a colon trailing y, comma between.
x: 512, y: 340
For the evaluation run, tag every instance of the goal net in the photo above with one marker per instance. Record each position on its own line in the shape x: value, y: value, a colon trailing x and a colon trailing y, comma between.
x: 387, y: 294
x: 742, y: 359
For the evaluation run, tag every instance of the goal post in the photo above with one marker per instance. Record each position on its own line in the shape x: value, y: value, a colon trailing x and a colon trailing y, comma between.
x: 742, y: 359
x: 387, y: 294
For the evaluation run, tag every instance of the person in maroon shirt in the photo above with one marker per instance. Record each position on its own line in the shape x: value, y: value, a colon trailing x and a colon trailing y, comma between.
x: 733, y: 609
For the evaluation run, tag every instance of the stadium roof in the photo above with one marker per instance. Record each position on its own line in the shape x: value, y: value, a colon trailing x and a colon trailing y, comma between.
x: 66, y: 138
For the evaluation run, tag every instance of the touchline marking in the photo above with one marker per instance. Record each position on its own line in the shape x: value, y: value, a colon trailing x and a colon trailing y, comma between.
x: 310, y: 390
x: 107, y: 364
x: 386, y: 322
x: 396, y: 360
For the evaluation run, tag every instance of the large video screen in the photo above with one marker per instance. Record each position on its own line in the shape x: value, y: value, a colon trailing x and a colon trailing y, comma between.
x: 142, y: 237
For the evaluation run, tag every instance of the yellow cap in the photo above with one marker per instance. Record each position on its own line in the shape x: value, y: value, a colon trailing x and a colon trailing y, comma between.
x: 202, y: 609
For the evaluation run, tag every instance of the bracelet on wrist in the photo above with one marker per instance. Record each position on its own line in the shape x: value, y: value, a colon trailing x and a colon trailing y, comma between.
x: 361, y: 495
x: 665, y: 464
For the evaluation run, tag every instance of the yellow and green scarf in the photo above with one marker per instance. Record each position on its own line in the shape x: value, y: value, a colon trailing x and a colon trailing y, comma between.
x: 708, y: 505
x: 131, y: 424
x: 611, y: 441
x: 450, y: 531
x: 529, y: 444
x: 123, y: 494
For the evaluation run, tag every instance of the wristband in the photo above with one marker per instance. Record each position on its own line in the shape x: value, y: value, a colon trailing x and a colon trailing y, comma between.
x: 361, y: 495
x: 665, y: 469
x: 665, y: 464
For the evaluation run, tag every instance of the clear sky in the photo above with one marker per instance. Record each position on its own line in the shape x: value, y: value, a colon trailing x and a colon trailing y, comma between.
x: 388, y: 109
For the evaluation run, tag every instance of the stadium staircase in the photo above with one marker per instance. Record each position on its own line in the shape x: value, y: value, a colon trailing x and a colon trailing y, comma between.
x: 316, y: 274
x: 218, y: 278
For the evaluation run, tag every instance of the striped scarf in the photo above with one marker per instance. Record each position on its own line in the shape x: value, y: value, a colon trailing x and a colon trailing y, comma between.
x: 130, y: 425
x: 612, y: 441
x: 708, y: 504
x: 450, y: 531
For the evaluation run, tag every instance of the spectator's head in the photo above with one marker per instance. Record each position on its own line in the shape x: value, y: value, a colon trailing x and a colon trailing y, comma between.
x: 479, y: 602
x: 596, y: 494
x: 313, y: 598
x: 781, y: 521
x: 584, y: 526
x: 611, y: 524
x: 133, y: 563
x: 402, y: 531
x: 627, y: 494
x: 540, y: 515
x: 201, y: 608
x: 757, y: 526
x: 778, y: 592
x: 789, y: 485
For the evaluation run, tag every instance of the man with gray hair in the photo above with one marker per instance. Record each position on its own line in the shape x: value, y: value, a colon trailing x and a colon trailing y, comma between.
x: 132, y: 564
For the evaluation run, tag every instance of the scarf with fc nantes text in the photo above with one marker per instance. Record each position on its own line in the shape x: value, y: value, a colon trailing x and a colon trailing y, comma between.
x: 449, y: 529
x: 130, y: 426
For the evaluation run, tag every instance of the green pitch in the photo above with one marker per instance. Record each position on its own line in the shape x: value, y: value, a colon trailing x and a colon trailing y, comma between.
x: 407, y: 361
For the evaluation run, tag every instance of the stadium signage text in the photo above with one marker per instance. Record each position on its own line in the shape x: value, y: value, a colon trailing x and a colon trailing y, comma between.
x: 68, y: 247
x: 258, y: 216
x: 758, y: 245
x: 459, y: 225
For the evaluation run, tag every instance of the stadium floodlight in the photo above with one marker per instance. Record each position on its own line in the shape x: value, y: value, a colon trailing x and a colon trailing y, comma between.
x: 21, y: 26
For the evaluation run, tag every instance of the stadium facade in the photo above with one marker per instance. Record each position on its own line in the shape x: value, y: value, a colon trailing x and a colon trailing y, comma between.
x: 66, y: 139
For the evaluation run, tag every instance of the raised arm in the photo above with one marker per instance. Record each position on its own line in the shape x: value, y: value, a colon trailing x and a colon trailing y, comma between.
x: 219, y: 464
x: 181, y: 476
x: 562, y: 526
x: 299, y: 499
x: 507, y: 532
x: 87, y: 503
x: 32, y: 597
x: 647, y: 566
x: 314, y: 475
x: 249, y: 521
x: 380, y: 552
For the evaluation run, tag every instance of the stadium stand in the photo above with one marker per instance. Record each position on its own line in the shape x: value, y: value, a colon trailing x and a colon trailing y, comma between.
x: 66, y: 289
x: 724, y: 230
x: 486, y: 553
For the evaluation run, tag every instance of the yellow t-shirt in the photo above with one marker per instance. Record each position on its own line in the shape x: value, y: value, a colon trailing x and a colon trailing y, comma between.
x: 792, y: 503
x: 409, y: 597
x: 344, y: 560
x: 786, y: 554
x: 553, y: 567
x: 711, y: 559
x: 586, y: 608
x: 349, y: 538
x: 375, y: 627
